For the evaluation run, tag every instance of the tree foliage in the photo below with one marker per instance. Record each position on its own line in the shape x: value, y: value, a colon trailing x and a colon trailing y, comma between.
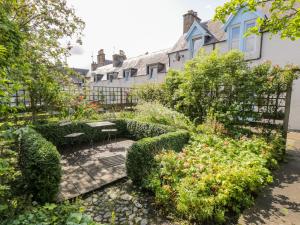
x: 283, y: 19
x: 226, y: 87
x: 40, y: 65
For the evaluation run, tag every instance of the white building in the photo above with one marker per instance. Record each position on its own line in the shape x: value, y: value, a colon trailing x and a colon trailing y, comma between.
x: 208, y: 35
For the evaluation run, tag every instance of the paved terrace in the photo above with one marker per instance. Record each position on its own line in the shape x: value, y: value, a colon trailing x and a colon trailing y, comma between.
x: 279, y: 203
x: 86, y: 169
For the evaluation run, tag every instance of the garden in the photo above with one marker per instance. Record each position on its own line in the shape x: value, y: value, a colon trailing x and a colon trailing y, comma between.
x: 201, y: 157
x: 204, y: 143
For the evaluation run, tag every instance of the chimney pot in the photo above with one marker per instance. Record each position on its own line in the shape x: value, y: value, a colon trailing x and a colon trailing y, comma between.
x: 188, y: 20
x: 119, y: 58
x: 101, y: 58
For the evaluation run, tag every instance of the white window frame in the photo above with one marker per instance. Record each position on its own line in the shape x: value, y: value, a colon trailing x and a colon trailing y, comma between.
x: 127, y: 74
x: 97, y: 76
x: 253, y: 36
x: 231, y: 37
x: 114, y: 76
x: 152, y: 75
x: 198, y: 38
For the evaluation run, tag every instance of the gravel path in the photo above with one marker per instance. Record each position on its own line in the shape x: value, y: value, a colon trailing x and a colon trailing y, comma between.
x: 123, y: 204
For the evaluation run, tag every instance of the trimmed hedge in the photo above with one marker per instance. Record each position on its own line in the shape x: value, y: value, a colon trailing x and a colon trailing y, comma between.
x: 126, y: 128
x: 140, y: 159
x: 138, y: 130
x: 40, y: 165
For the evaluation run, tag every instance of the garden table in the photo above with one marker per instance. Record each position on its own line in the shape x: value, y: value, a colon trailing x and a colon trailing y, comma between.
x: 99, y: 124
x: 73, y: 136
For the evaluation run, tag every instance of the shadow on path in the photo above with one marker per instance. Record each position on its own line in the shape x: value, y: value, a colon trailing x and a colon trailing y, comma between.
x: 279, y: 203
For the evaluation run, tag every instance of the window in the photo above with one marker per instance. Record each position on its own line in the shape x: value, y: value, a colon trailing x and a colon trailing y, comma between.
x: 152, y: 72
x: 98, y: 77
x: 250, y: 41
x: 127, y: 74
x: 235, y: 37
x: 197, y: 42
x: 112, y: 76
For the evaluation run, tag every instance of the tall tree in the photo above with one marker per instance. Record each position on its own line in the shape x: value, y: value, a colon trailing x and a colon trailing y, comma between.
x: 10, y: 45
x: 283, y: 19
x: 41, y: 67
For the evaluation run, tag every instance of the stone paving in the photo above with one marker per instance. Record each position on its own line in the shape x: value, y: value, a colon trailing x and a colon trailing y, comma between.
x: 87, y: 168
x: 279, y: 203
x: 121, y: 203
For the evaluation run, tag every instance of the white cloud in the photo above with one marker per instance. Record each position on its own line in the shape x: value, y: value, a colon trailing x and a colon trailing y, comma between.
x: 77, y: 50
x: 209, y: 6
x: 135, y: 26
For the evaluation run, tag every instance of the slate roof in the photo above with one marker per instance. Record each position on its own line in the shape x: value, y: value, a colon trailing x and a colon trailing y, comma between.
x: 81, y: 72
x: 214, y: 28
x: 140, y: 63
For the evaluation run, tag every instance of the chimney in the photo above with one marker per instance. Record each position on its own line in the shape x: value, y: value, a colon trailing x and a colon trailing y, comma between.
x: 101, y: 58
x: 94, y: 66
x: 188, y: 20
x: 119, y: 58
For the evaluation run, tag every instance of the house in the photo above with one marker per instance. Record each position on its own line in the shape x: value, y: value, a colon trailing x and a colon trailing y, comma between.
x: 123, y: 72
x: 207, y: 35
x: 79, y: 77
x: 210, y: 35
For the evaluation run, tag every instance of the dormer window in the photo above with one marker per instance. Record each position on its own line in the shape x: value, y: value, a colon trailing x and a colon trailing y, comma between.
x: 235, y: 37
x: 153, y: 72
x: 154, y: 69
x: 98, y: 77
x: 250, y: 41
x: 129, y: 73
x: 112, y: 76
x: 197, y: 43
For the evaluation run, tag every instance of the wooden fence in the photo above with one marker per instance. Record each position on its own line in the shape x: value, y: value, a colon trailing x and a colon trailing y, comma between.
x: 106, y: 96
x: 272, y: 108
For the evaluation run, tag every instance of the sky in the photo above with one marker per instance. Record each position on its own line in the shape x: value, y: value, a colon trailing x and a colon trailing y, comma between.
x: 135, y: 26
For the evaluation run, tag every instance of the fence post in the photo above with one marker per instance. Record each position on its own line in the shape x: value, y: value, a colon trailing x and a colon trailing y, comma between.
x: 121, y: 90
x: 287, y: 109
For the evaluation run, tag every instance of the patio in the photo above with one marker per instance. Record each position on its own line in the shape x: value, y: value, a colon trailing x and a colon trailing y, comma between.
x: 88, y: 168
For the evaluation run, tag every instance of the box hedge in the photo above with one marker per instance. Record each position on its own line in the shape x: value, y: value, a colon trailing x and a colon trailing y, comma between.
x: 39, y: 164
x: 126, y: 128
x: 140, y: 158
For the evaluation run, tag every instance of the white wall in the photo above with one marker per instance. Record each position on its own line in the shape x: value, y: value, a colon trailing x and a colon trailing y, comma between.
x: 279, y: 52
x: 294, y: 122
x: 132, y: 81
x: 283, y: 52
x: 179, y: 65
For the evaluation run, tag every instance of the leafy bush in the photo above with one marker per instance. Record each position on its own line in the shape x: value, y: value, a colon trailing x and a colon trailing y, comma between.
x: 40, y: 165
x: 140, y: 159
x: 227, y: 86
x: 138, y: 130
x: 63, y: 214
x: 154, y: 112
x: 10, y: 202
x: 150, y: 92
x: 214, y: 178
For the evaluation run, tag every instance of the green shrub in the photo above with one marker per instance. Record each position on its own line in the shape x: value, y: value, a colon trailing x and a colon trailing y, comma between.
x: 214, y: 179
x: 150, y: 92
x: 140, y: 159
x: 40, y: 165
x: 10, y: 201
x: 63, y: 214
x: 126, y: 128
x: 226, y: 85
x: 56, y: 132
x: 155, y: 112
x: 138, y: 130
